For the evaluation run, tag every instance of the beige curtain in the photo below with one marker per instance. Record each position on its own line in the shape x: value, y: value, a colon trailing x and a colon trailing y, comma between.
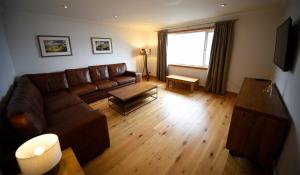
x: 220, y: 57
x: 162, y: 55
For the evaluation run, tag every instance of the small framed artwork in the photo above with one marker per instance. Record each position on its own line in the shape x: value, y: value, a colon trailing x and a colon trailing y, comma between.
x: 101, y: 45
x: 52, y: 46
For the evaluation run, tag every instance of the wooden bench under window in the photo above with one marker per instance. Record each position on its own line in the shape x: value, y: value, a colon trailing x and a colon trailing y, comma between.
x: 183, y: 79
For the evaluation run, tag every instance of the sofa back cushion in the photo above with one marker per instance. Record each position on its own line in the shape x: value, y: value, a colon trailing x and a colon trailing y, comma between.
x: 25, y: 110
x: 99, y: 72
x: 50, y: 82
x: 117, y: 69
x: 78, y: 76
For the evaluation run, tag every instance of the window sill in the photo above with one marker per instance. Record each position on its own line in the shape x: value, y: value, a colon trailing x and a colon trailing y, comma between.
x: 189, y: 66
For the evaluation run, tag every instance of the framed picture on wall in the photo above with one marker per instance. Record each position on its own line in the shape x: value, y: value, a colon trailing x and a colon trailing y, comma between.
x: 51, y: 46
x: 101, y: 45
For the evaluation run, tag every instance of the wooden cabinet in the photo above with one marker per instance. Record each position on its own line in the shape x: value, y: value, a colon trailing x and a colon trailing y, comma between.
x: 259, y: 123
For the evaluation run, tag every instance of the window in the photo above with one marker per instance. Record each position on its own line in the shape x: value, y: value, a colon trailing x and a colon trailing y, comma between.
x: 191, y: 49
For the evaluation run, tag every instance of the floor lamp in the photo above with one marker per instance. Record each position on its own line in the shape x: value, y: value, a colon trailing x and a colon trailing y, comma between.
x: 145, y: 52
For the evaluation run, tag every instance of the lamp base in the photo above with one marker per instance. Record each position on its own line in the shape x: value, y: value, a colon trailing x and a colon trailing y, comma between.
x: 145, y: 69
x: 53, y: 171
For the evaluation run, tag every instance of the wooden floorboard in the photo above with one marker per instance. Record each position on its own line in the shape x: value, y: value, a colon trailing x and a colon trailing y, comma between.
x: 179, y: 133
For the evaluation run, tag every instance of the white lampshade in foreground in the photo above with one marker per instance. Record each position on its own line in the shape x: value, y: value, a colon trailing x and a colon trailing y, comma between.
x: 39, y: 154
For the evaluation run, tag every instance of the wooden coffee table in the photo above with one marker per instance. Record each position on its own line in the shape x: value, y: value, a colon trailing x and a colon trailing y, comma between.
x: 129, y: 98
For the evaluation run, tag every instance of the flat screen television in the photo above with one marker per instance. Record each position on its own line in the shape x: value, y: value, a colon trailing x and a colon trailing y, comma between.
x: 282, y: 56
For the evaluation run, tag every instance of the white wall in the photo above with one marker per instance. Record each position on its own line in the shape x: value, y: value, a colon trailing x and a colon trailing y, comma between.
x: 7, y: 72
x: 289, y: 86
x: 254, y: 43
x: 22, y: 29
x: 150, y: 40
x: 251, y: 57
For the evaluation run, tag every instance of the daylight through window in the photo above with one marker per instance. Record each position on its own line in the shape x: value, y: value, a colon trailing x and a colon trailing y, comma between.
x: 192, y: 49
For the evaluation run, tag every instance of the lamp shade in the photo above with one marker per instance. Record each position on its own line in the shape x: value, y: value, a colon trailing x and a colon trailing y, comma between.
x: 39, y: 154
x: 145, y: 51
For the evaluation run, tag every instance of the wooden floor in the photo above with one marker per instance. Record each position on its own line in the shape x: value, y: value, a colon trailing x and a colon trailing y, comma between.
x: 179, y: 133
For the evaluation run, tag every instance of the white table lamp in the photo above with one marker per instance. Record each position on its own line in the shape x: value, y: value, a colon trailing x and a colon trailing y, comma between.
x: 39, y: 155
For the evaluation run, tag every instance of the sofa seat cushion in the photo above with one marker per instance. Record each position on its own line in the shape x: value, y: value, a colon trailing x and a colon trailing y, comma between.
x: 68, y: 114
x: 106, y: 84
x: 83, y: 89
x: 81, y: 128
x: 124, y: 79
x: 67, y: 120
x: 55, y: 102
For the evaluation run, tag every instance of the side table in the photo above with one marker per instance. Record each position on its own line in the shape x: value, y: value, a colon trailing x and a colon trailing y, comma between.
x: 69, y: 164
x: 139, y: 77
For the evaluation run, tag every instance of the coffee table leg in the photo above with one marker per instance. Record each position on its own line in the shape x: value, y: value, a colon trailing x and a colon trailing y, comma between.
x: 124, y: 110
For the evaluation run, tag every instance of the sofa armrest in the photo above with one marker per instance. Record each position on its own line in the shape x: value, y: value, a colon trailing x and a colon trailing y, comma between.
x: 130, y: 73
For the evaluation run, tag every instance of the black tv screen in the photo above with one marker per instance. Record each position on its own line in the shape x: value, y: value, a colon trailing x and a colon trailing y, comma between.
x: 281, y: 57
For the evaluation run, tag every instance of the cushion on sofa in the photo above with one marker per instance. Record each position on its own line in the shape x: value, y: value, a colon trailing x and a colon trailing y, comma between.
x: 78, y: 76
x: 67, y: 115
x: 124, y: 79
x: 105, y: 84
x: 83, y: 89
x: 50, y: 82
x: 99, y: 72
x: 25, y: 110
x: 82, y: 129
x: 117, y: 69
x: 58, y: 101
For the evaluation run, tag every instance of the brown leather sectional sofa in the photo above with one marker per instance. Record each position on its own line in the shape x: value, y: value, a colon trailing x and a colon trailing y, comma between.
x: 56, y: 103
x: 90, y: 84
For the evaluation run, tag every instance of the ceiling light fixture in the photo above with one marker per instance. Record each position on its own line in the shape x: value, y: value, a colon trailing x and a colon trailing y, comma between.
x: 65, y: 6
x: 116, y: 16
x: 223, y: 5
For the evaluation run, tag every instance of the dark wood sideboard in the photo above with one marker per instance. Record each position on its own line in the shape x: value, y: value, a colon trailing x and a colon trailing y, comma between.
x: 259, y: 124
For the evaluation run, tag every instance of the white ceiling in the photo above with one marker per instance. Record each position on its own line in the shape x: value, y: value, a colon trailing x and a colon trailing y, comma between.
x: 155, y: 13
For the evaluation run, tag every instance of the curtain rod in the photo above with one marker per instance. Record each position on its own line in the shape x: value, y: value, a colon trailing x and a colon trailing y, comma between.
x: 190, y: 30
x: 195, y: 25
x: 198, y: 25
